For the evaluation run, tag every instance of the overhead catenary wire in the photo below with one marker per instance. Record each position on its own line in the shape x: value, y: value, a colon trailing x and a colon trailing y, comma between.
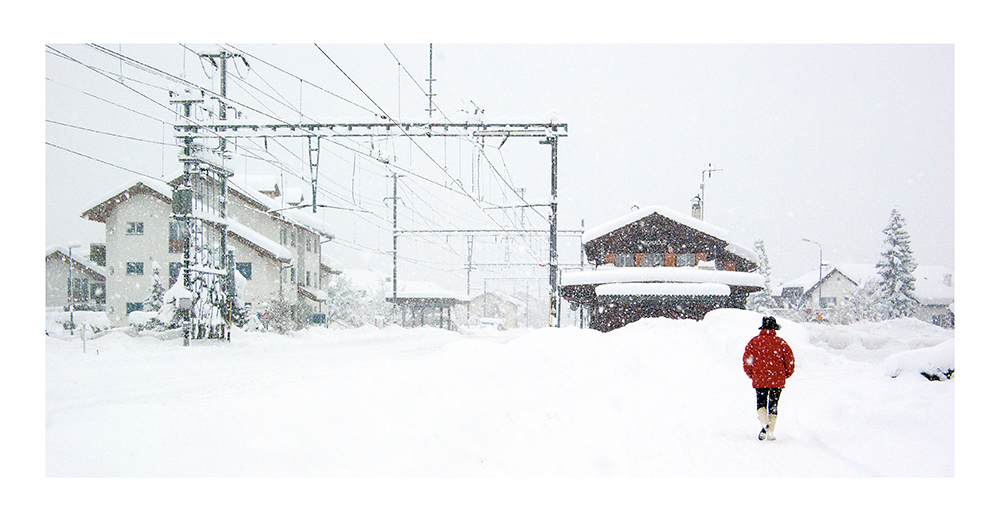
x: 430, y: 200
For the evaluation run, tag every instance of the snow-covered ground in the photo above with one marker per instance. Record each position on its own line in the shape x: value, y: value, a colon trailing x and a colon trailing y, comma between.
x: 659, y: 398
x: 656, y: 399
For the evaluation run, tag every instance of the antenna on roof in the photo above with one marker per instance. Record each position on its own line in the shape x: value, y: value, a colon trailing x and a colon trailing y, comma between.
x: 701, y: 202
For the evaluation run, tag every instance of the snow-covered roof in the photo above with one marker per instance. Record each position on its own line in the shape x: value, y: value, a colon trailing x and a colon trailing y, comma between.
x: 79, y: 259
x: 425, y: 290
x: 612, y: 274
x: 687, y: 289
x: 158, y: 187
x: 858, y: 273
x: 681, y: 218
x: 315, y: 294
x: 267, y: 245
x: 934, y: 285
x: 301, y: 217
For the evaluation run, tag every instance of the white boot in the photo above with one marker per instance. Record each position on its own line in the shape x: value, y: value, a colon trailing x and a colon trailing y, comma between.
x: 771, y: 420
x: 762, y: 415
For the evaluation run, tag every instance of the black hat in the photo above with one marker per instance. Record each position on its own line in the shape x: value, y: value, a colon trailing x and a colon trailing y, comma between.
x: 769, y: 323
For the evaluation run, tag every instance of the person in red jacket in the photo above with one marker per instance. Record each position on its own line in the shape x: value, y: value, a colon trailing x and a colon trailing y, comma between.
x: 768, y: 361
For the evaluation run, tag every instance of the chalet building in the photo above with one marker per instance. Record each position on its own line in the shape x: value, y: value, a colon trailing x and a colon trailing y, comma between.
x: 88, y: 280
x: 934, y: 290
x: 276, y: 250
x: 655, y: 262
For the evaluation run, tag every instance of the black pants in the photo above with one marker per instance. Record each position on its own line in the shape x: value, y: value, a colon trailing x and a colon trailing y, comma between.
x: 768, y: 397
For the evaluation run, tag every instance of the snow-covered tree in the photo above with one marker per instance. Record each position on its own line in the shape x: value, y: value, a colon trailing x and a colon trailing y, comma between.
x: 895, y: 269
x: 864, y: 305
x: 345, y: 303
x: 762, y: 299
x: 154, y: 301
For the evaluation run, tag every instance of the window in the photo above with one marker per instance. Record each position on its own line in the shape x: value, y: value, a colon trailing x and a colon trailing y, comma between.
x: 133, y: 268
x: 291, y: 274
x: 97, y: 293
x: 133, y: 228
x: 308, y: 281
x: 687, y: 259
x: 827, y: 302
x: 175, y: 272
x: 651, y: 259
x: 309, y: 244
x: 245, y: 269
x: 80, y: 290
x: 291, y: 238
x: 284, y: 236
x: 132, y: 306
x: 624, y: 259
x: 176, y: 237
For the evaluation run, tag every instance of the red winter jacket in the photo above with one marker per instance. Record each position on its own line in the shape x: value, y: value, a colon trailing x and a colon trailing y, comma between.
x: 768, y: 360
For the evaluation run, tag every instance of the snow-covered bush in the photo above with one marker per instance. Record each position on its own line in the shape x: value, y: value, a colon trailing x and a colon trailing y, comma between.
x: 278, y: 315
x: 934, y: 363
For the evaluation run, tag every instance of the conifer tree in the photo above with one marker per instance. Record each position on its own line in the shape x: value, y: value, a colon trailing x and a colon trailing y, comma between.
x: 762, y: 299
x: 154, y: 301
x: 896, y: 267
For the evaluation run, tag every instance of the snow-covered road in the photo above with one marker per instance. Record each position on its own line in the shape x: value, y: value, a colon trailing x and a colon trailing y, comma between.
x: 659, y: 398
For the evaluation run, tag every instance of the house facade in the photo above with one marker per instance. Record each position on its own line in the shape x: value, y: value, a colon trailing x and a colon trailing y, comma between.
x: 277, y: 255
x: 88, y: 280
x: 655, y: 262
x: 491, y: 308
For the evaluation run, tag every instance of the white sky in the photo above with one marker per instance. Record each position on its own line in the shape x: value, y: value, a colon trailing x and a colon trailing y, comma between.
x: 814, y: 141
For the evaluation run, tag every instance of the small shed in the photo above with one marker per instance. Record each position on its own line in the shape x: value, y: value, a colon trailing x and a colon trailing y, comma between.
x: 422, y: 303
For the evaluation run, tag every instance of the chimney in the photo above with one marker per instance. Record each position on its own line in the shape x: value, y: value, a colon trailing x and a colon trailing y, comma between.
x: 696, y: 209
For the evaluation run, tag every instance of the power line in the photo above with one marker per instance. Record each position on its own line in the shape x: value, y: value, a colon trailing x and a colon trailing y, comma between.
x: 111, y: 134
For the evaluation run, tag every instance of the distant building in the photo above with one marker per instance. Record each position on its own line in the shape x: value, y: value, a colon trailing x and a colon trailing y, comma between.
x: 491, y: 308
x: 934, y: 291
x: 422, y: 303
x: 655, y: 262
x: 88, y: 280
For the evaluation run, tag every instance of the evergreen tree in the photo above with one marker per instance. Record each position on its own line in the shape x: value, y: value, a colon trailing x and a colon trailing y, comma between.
x: 154, y: 301
x: 762, y: 299
x: 895, y: 268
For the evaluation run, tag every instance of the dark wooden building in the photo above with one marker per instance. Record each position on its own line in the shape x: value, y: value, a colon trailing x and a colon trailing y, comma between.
x: 655, y: 262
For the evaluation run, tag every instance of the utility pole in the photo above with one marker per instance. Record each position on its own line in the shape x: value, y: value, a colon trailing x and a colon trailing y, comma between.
x: 395, y: 241
x: 554, y: 299
x: 468, y: 271
x: 430, y: 83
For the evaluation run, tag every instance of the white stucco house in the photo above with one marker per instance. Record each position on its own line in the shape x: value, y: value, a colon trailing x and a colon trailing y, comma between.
x: 88, y: 280
x: 277, y: 250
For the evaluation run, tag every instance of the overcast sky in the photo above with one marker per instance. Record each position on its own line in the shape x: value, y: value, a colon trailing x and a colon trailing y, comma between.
x: 809, y: 141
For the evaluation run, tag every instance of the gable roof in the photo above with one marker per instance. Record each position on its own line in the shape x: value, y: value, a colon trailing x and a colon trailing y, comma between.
x: 677, y: 217
x: 272, y: 207
x: 80, y: 260
x: 100, y: 209
x: 930, y: 284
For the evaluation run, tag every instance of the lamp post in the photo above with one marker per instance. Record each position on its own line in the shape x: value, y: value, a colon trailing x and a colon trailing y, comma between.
x: 69, y: 285
x: 819, y: 285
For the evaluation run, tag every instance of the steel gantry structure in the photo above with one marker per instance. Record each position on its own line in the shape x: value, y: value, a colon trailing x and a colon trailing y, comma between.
x: 314, y: 132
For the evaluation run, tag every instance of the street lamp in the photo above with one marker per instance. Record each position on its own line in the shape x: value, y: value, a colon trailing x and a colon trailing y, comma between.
x: 819, y: 285
x: 69, y: 285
